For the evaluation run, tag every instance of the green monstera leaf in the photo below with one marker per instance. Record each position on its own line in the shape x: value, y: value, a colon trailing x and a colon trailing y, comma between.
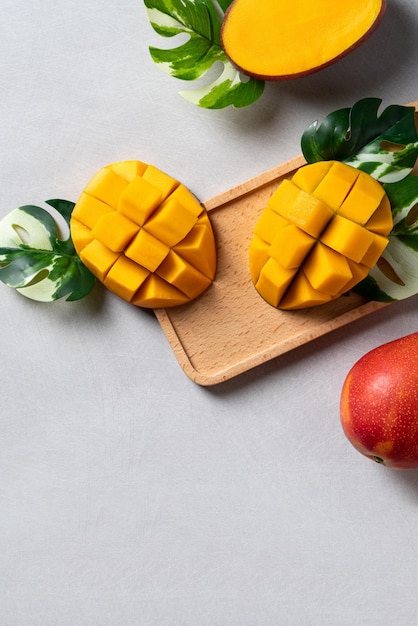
x: 396, y: 274
x: 35, y: 261
x: 385, y: 146
x: 201, y: 21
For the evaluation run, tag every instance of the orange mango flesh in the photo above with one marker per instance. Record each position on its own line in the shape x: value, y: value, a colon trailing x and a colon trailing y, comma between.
x: 144, y: 235
x: 280, y: 40
x: 320, y: 234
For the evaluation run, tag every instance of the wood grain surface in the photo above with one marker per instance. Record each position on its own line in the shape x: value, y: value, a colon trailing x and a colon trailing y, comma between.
x: 230, y: 328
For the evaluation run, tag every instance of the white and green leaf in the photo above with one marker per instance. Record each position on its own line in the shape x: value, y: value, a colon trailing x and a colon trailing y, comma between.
x: 386, y: 165
x: 200, y: 21
x: 35, y: 261
x: 384, y: 145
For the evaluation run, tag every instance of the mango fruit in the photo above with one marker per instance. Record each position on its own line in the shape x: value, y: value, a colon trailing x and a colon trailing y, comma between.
x: 282, y: 40
x: 319, y: 235
x: 144, y: 235
x: 379, y: 404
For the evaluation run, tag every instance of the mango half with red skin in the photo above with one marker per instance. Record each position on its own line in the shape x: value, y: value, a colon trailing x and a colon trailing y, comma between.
x: 379, y: 404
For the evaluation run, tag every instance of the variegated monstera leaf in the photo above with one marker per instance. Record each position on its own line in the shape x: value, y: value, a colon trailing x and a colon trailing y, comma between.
x: 36, y: 261
x: 385, y: 145
x: 200, y: 21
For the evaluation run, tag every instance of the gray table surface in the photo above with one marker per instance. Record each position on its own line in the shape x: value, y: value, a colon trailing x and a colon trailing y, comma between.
x: 128, y: 494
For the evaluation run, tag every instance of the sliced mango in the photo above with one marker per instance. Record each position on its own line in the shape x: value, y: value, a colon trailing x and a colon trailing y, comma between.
x: 326, y: 270
x: 304, y: 210
x: 125, y: 277
x: 139, y: 200
x: 301, y: 290
x: 337, y: 185
x: 144, y: 235
x: 348, y: 238
x: 290, y: 246
x: 283, y: 39
x: 273, y: 280
x: 319, y: 235
x: 114, y: 230
x: 97, y: 257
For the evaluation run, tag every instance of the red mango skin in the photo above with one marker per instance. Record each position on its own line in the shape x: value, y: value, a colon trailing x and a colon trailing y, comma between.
x: 379, y: 404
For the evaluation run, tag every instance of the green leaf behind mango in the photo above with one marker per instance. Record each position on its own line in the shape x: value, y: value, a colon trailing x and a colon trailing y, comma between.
x: 201, y: 21
x: 385, y: 146
x: 36, y: 261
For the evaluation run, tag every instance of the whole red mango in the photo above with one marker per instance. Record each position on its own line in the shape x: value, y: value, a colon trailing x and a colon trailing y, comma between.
x: 379, y: 404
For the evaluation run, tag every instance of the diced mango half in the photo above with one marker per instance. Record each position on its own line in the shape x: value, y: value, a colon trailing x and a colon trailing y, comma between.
x: 144, y: 235
x: 319, y: 235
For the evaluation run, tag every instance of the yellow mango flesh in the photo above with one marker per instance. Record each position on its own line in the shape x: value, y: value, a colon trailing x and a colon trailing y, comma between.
x: 320, y: 234
x: 144, y: 235
x: 275, y: 40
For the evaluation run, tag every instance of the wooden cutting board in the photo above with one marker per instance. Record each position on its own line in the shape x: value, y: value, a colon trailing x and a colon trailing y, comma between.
x: 230, y: 329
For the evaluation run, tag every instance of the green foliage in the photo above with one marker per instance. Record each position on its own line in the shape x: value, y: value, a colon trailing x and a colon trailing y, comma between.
x: 201, y: 21
x: 35, y: 261
x: 385, y: 146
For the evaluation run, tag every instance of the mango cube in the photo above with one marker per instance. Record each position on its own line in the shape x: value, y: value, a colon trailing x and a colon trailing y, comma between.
x: 156, y: 292
x: 114, y: 230
x: 348, y: 238
x: 259, y: 255
x: 290, y: 246
x: 273, y: 281
x: 326, y: 270
x: 309, y: 176
x: 129, y: 169
x: 178, y: 272
x: 363, y: 200
x: 89, y: 210
x: 336, y: 185
x: 98, y: 258
x: 125, y: 277
x: 301, y: 291
x: 139, y: 200
x: 106, y: 186
x: 381, y: 219
x: 268, y: 224
x: 198, y: 239
x: 160, y: 180
x: 171, y: 222
x: 306, y: 211
x: 147, y: 250
x: 375, y: 251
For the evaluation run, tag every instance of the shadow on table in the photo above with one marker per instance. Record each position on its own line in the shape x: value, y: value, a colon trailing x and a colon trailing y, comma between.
x: 407, y: 480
